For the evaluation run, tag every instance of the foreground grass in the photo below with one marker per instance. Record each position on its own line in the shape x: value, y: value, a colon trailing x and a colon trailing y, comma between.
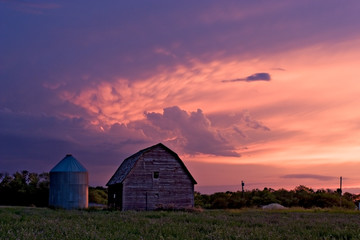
x: 42, y: 223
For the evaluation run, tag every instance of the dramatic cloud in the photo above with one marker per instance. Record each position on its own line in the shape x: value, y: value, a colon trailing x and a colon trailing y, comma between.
x: 100, y: 83
x: 38, y: 141
x: 192, y: 131
x: 309, y: 176
x: 45, y: 139
x: 252, y: 78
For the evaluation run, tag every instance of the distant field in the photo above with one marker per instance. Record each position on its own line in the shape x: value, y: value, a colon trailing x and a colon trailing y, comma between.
x: 43, y: 223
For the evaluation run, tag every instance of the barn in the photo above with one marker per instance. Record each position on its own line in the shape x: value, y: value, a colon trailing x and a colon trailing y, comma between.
x: 152, y: 178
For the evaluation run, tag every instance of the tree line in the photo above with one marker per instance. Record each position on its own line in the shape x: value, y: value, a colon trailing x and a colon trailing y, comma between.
x: 24, y: 189
x: 301, y: 196
x: 32, y: 189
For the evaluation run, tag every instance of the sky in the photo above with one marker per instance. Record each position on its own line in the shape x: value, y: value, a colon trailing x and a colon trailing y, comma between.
x: 265, y: 92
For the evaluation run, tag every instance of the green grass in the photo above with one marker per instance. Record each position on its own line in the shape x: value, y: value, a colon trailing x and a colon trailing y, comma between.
x: 43, y: 223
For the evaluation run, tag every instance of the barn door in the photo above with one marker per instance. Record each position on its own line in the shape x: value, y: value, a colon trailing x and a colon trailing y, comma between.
x: 115, y: 196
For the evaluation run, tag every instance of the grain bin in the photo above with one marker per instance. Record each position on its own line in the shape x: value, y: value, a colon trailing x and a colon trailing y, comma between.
x: 69, y: 184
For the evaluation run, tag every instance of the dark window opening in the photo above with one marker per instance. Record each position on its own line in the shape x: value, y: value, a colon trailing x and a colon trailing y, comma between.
x: 156, y: 175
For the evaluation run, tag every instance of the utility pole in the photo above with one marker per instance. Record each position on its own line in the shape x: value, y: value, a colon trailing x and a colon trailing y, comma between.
x: 242, y: 188
x: 340, y: 190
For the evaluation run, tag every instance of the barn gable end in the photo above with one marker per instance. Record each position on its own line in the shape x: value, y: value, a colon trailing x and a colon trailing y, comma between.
x: 152, y: 178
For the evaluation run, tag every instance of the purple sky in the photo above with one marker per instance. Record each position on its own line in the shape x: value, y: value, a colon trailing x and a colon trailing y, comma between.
x: 268, y: 88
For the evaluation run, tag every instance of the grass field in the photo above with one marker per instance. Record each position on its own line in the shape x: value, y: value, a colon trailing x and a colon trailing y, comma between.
x: 43, y: 223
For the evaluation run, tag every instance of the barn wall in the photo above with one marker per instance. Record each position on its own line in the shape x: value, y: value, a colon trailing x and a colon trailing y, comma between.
x: 172, y: 188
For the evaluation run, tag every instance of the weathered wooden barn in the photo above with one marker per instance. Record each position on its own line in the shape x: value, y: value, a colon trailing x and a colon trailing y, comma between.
x: 152, y: 178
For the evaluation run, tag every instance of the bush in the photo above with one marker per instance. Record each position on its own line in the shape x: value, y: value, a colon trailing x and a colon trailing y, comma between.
x: 98, y: 195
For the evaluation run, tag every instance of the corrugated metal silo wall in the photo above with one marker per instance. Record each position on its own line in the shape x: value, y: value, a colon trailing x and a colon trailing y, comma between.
x: 69, y: 190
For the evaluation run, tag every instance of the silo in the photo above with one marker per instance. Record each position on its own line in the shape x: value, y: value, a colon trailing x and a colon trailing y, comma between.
x: 69, y: 184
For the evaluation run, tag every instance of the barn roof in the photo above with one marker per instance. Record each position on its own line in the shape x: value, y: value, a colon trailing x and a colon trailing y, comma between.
x: 126, y: 166
x: 69, y: 164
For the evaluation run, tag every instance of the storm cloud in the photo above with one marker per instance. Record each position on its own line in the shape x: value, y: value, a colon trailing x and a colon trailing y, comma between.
x: 106, y: 81
x: 252, y: 78
x: 190, y: 130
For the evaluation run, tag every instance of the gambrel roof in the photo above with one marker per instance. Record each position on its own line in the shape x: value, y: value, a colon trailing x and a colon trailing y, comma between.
x: 127, y: 165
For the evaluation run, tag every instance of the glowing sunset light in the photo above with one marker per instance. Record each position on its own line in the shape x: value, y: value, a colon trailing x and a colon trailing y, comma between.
x: 262, y: 92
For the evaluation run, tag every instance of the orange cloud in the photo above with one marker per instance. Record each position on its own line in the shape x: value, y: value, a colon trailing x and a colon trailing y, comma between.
x: 310, y: 107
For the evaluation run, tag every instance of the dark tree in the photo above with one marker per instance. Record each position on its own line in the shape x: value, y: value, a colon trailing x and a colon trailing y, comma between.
x: 24, y: 189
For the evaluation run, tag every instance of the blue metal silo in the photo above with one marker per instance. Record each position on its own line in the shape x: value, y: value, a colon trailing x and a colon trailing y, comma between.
x: 69, y: 184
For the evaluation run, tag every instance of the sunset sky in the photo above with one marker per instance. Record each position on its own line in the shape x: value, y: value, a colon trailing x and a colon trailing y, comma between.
x: 261, y: 91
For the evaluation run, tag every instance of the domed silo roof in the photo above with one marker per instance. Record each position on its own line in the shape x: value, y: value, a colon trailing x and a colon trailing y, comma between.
x: 69, y: 184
